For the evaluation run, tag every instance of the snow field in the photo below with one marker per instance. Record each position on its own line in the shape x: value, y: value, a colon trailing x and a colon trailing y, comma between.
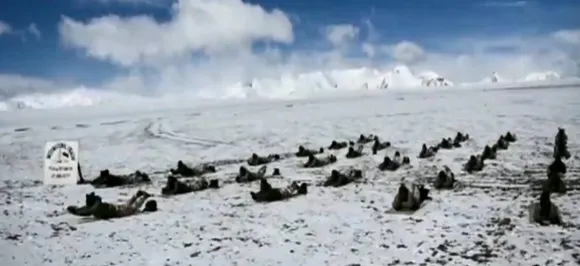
x: 326, y: 227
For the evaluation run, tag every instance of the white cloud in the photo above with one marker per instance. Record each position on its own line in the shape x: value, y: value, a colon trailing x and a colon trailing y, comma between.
x: 32, y: 29
x: 198, y: 50
x: 158, y: 3
x: 13, y: 84
x: 512, y: 57
x: 368, y: 49
x: 568, y: 36
x: 341, y: 34
x: 506, y: 4
x: 210, y: 27
x: 4, y: 28
x: 407, y: 52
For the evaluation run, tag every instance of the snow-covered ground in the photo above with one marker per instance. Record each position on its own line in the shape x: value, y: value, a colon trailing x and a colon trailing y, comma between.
x: 326, y: 227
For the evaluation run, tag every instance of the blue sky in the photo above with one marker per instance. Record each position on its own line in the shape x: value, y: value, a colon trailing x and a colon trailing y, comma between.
x: 44, y: 54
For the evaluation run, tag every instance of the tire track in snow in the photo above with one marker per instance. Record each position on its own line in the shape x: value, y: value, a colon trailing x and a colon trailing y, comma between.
x: 160, y: 129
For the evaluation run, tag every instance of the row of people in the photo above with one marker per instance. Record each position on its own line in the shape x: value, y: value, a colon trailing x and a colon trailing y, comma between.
x: 545, y: 212
x: 446, y: 143
x: 174, y: 186
x: 106, y: 179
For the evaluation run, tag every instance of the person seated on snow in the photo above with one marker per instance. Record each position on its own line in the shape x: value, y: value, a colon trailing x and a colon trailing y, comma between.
x: 427, y: 152
x: 362, y: 139
x: 378, y: 145
x: 352, y: 153
x: 489, y: 153
x: 177, y: 187
x: 186, y: 171
x: 510, y: 137
x: 561, y: 145
x: 245, y: 175
x: 410, y: 200
x: 337, y: 145
x: 446, y: 144
x: 314, y: 162
x: 268, y: 194
x: 303, y: 152
x: 545, y: 212
x: 338, y: 179
x: 455, y: 143
x: 256, y: 160
x: 557, y: 166
x: 555, y: 173
x: 502, y: 144
x: 475, y: 164
x: 460, y: 137
x: 388, y: 164
x: 397, y: 158
x: 555, y: 184
x: 95, y: 206
x: 445, y: 179
x: 106, y: 179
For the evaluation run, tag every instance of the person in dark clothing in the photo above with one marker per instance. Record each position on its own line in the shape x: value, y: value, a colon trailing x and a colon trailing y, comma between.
x: 95, y: 206
x: 269, y: 194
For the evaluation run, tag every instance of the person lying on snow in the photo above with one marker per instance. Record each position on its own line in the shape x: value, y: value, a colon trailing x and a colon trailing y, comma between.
x: 427, y: 152
x: 489, y: 153
x: 460, y: 137
x: 561, y: 145
x: 502, y: 143
x: 177, y: 187
x: 246, y: 175
x: 106, y: 179
x: 256, y: 160
x: 314, y: 162
x: 445, y: 179
x: 268, y: 194
x: 303, y: 152
x: 510, y: 137
x: 378, y: 145
x: 338, y: 179
x: 186, y: 171
x: 545, y: 212
x: 447, y: 144
x: 352, y: 153
x: 95, y: 206
x: 339, y: 145
x: 365, y: 139
x: 410, y: 200
x: 395, y: 163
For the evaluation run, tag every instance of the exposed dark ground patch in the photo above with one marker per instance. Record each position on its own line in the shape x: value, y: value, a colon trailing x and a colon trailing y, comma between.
x: 22, y: 129
x: 112, y: 123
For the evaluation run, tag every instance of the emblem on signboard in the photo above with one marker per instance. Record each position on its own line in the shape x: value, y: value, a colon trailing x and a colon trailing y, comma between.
x: 61, y: 153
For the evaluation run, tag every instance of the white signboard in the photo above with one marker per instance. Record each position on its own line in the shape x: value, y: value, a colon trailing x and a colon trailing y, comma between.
x: 61, y: 160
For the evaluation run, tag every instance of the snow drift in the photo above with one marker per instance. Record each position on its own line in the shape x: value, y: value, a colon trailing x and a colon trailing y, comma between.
x: 286, y: 86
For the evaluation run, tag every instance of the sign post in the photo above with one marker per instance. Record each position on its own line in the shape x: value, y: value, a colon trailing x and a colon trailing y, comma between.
x: 61, y: 160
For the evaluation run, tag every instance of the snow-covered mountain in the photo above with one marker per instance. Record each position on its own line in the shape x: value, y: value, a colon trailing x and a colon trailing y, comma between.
x: 77, y: 97
x: 532, y: 77
x: 287, y: 85
x: 542, y: 76
x: 347, y: 79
